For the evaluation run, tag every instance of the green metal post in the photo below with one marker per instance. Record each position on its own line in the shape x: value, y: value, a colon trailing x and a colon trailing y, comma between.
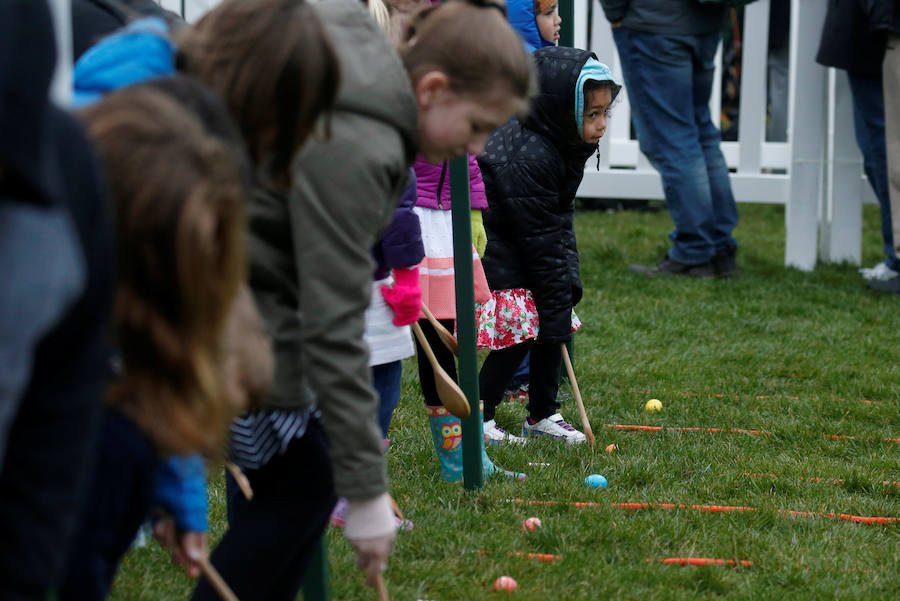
x: 567, y: 27
x: 567, y: 38
x: 315, y: 584
x: 472, y: 431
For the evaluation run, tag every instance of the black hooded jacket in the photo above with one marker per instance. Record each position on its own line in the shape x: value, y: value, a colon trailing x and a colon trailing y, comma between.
x: 531, y: 172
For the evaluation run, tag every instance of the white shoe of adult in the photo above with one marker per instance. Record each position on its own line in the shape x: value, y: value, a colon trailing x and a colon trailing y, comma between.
x: 554, y: 426
x: 494, y: 434
x: 879, y: 272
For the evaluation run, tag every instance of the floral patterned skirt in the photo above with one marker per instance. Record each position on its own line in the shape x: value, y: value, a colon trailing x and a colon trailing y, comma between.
x: 509, y: 318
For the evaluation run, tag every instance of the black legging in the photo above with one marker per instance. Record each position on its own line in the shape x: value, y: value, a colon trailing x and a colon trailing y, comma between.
x: 543, y: 377
x: 444, y: 357
x: 271, y: 539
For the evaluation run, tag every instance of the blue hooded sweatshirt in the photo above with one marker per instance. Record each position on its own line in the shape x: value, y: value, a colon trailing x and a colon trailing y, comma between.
x: 524, y: 21
x: 136, y: 53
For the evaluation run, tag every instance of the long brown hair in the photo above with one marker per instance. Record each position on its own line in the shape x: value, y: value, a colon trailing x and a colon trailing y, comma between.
x: 472, y: 43
x: 178, y: 203
x: 274, y: 65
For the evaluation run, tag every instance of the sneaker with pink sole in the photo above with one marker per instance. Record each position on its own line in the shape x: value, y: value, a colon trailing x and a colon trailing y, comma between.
x: 554, y: 426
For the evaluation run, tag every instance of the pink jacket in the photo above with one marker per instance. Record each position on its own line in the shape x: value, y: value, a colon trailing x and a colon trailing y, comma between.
x: 431, y: 178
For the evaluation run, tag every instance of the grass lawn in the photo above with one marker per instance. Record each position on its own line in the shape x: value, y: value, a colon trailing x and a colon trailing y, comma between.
x: 803, y: 356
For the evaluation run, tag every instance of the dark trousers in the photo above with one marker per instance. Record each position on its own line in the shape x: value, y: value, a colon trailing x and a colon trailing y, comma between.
x: 445, y: 359
x: 543, y: 377
x: 119, y: 498
x: 868, y: 121
x: 271, y: 539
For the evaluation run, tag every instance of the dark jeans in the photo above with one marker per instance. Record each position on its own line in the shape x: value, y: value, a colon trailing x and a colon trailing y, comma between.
x: 543, y: 378
x: 868, y: 121
x: 386, y: 379
x: 669, y: 79
x: 270, y: 540
x: 444, y: 357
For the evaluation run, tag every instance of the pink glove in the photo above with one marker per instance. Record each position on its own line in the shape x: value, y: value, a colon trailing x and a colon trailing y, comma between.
x: 405, y: 298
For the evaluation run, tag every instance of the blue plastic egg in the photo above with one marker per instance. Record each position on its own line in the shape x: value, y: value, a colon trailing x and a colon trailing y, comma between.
x: 596, y: 481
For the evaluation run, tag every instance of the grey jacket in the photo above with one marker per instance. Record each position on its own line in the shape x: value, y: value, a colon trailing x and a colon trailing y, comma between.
x: 310, y: 262
x: 671, y: 17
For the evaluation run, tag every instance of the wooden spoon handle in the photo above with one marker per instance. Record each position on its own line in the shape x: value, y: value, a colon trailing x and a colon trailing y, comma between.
x: 580, y: 403
x: 447, y: 337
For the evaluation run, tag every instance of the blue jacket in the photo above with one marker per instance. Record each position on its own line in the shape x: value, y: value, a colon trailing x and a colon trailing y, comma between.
x: 524, y: 21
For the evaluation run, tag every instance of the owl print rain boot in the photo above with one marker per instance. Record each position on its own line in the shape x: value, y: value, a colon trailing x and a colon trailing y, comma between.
x: 446, y: 432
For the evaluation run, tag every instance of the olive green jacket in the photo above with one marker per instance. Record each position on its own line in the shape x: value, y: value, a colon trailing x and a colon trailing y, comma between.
x: 310, y: 262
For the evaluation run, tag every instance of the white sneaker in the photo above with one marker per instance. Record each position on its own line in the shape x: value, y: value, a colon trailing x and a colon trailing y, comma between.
x: 554, y: 426
x: 494, y: 434
x: 879, y: 272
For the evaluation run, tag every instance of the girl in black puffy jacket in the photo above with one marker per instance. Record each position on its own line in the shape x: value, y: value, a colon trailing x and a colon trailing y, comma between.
x: 531, y: 171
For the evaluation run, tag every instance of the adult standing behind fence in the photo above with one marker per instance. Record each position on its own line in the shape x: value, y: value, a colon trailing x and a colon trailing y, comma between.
x: 890, y: 20
x: 667, y: 49
x: 853, y: 40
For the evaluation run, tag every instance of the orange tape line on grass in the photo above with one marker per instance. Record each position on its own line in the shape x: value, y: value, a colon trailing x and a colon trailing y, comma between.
x: 709, y: 508
x: 703, y: 561
x: 718, y: 509
x: 846, y: 437
x: 859, y: 519
x: 812, y: 479
x: 539, y: 556
x: 685, y: 429
x: 580, y: 504
x: 569, y: 503
x: 760, y: 397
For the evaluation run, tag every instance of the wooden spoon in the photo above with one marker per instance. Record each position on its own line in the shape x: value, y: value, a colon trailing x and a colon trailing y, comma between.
x: 447, y: 338
x: 449, y: 392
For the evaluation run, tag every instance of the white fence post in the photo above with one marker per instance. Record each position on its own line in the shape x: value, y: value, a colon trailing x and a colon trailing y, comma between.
x: 806, y: 125
x: 752, y: 118
x: 842, y: 218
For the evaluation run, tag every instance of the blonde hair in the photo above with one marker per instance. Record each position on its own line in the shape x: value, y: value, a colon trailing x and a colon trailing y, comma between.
x: 382, y: 15
x: 474, y: 46
x: 180, y: 251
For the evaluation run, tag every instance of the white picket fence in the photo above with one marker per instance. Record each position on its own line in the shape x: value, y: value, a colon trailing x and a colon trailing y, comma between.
x: 819, y: 175
x: 818, y: 170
